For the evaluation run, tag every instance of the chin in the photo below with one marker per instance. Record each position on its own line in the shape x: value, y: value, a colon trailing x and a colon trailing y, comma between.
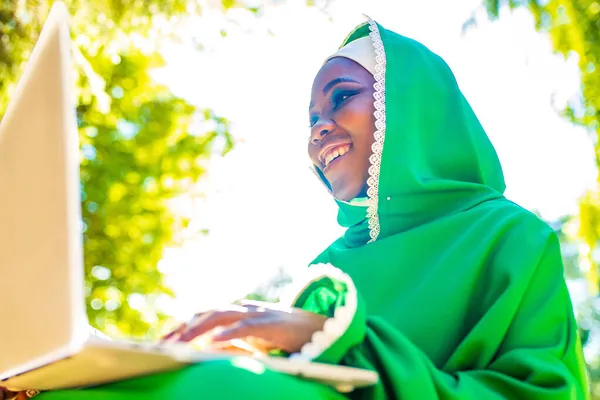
x: 349, y: 192
x: 346, y: 194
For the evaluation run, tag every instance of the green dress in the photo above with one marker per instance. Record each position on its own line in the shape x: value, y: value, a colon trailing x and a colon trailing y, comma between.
x: 440, y: 284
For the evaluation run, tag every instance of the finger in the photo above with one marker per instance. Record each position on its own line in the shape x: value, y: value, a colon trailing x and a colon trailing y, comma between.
x: 260, y: 345
x: 6, y: 394
x: 249, y: 346
x: 216, y: 319
x: 233, y: 347
x: 265, y: 330
x: 176, y: 333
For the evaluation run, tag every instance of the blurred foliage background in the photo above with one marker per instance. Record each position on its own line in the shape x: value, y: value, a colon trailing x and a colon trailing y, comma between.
x: 141, y: 146
x: 573, y: 27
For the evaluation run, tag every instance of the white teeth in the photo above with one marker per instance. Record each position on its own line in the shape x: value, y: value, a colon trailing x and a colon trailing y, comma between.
x: 338, y: 152
x: 328, y: 159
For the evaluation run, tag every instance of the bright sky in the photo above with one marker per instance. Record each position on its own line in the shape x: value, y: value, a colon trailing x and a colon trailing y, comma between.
x: 263, y: 206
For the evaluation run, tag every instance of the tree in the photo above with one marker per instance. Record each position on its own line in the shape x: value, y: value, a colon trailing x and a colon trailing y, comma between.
x: 574, y: 29
x: 139, y: 147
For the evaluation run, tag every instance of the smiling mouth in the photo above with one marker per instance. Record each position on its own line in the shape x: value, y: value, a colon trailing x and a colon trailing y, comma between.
x: 334, y: 154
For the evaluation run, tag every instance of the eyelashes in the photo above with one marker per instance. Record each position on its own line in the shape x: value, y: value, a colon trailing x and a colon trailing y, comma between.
x: 338, y: 99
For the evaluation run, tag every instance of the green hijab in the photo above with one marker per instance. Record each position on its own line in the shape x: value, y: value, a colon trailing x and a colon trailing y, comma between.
x: 446, y: 288
x: 438, y: 161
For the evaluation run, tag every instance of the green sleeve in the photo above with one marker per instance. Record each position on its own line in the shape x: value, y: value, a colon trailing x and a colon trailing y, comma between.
x: 540, y: 357
x: 328, y: 291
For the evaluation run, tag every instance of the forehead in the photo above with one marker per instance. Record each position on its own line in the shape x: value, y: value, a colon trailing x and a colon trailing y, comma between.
x: 338, y: 67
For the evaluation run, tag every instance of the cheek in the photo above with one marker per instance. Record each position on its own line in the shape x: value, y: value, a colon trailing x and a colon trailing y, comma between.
x: 313, y: 154
x: 360, y: 123
x: 357, y: 116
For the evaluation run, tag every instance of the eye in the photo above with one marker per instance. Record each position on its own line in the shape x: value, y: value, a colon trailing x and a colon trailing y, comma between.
x: 340, y: 97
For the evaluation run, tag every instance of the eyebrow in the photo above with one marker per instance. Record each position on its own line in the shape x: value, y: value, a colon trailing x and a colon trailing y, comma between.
x: 332, y: 83
x: 335, y: 81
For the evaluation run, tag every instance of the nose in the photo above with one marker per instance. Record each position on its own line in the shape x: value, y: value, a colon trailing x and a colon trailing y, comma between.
x: 321, y: 129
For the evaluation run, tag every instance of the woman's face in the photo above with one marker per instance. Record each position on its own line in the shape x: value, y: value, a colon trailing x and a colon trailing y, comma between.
x: 342, y: 126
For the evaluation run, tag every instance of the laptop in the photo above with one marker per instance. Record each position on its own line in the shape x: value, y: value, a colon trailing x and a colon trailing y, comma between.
x: 46, y: 342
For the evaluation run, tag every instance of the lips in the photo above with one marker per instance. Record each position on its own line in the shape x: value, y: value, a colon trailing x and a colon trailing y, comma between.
x: 332, y: 152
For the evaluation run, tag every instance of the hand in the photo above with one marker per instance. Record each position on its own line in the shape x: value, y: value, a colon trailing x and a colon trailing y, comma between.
x: 6, y: 394
x: 262, y: 326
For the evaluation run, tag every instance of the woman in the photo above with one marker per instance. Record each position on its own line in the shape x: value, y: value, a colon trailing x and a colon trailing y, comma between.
x: 440, y: 284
